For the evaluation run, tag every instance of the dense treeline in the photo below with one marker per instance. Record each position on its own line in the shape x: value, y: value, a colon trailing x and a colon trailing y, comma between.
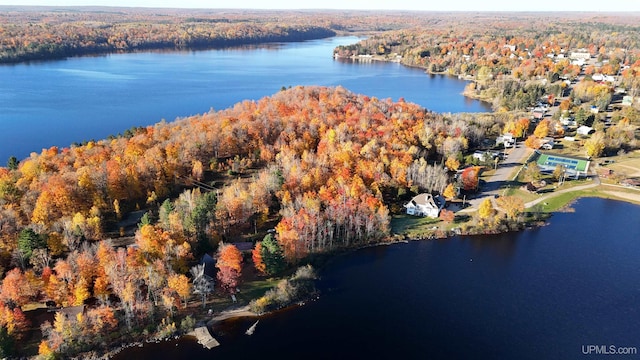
x: 321, y: 161
x: 30, y: 33
x: 21, y: 42
x: 36, y: 33
x: 330, y: 149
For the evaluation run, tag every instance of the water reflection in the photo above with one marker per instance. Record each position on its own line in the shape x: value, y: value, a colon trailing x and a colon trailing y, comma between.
x: 566, y: 284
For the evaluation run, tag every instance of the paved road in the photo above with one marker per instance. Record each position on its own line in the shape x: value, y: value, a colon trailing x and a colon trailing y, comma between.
x: 595, y: 182
x: 516, y: 157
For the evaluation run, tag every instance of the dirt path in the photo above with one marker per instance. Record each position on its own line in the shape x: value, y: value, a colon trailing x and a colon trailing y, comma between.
x: 624, y: 195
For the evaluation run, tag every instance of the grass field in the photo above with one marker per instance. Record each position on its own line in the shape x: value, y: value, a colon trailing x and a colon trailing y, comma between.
x: 627, y: 166
x: 412, y: 226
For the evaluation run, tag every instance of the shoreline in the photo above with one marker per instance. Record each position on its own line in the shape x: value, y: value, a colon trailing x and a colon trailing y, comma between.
x: 234, y: 312
x: 426, y: 71
x: 35, y: 58
x: 575, y: 194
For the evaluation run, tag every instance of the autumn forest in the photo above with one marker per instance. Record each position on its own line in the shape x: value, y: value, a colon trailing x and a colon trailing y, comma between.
x: 121, y: 224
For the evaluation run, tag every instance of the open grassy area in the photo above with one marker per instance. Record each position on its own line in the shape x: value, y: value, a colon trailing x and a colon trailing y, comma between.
x: 255, y: 289
x: 629, y: 166
x: 248, y: 291
x: 555, y: 203
x: 551, y: 187
x: 413, y: 226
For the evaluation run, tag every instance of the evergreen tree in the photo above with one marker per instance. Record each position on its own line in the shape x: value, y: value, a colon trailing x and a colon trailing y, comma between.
x: 203, y: 214
x: 12, y: 163
x: 144, y: 220
x: 6, y: 343
x: 28, y: 240
x: 272, y: 255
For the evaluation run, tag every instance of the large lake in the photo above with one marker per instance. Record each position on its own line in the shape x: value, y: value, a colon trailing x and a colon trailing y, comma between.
x: 537, y: 294
x: 61, y: 102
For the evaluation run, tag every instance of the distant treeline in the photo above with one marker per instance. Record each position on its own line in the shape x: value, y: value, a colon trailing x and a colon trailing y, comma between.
x: 134, y: 37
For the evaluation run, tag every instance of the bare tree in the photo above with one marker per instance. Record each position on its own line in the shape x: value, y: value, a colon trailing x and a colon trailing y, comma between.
x: 40, y: 259
x: 202, y: 284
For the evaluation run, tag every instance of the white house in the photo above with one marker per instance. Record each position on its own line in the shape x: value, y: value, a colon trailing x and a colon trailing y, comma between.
x: 425, y: 205
x: 568, y: 122
x: 584, y: 130
x: 547, y: 143
x: 605, y: 78
x: 579, y: 62
x: 580, y: 55
x: 506, y: 139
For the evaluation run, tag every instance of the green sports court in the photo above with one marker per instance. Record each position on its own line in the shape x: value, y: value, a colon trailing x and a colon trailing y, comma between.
x: 573, y: 165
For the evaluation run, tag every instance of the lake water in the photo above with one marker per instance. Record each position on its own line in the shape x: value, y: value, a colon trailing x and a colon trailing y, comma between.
x: 537, y: 294
x: 60, y: 102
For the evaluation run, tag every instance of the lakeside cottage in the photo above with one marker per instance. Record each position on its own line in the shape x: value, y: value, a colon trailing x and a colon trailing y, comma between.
x: 425, y: 205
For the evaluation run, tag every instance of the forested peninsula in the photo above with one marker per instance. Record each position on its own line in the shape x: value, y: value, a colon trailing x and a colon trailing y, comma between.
x: 123, y: 239
x: 314, y: 163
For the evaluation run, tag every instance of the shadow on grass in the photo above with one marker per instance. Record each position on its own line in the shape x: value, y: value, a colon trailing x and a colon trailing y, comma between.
x: 545, y: 191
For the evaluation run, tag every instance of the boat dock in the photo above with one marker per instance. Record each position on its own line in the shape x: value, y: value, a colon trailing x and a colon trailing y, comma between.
x: 205, y: 339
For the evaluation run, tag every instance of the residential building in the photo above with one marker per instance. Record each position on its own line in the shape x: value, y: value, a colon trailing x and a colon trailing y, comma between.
x: 425, y: 204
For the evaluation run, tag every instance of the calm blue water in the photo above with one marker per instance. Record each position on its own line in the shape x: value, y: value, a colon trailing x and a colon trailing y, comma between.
x: 537, y: 294
x: 61, y: 102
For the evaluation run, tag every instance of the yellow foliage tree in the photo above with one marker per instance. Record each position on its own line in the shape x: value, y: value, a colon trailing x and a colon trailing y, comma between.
x: 452, y: 163
x: 180, y: 284
x: 449, y: 192
x: 533, y: 142
x: 81, y: 292
x: 542, y: 130
x: 45, y: 352
x: 512, y: 206
x: 197, y: 170
x: 485, y: 211
x: 595, y: 145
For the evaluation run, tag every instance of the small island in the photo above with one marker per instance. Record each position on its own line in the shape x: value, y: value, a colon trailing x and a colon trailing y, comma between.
x: 162, y: 229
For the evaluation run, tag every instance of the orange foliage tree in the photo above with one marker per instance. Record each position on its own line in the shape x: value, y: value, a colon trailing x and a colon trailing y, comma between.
x: 256, y: 256
x: 229, y: 266
x: 470, y: 178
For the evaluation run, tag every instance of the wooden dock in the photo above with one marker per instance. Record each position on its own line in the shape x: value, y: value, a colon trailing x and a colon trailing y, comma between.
x: 205, y: 339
